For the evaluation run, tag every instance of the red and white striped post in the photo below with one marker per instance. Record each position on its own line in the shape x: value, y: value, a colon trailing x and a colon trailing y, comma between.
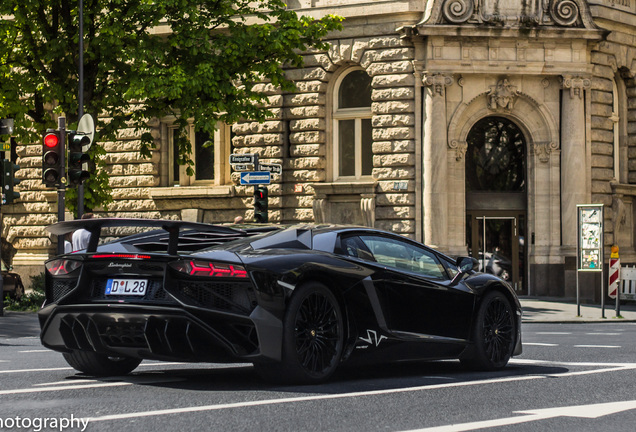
x: 615, y: 277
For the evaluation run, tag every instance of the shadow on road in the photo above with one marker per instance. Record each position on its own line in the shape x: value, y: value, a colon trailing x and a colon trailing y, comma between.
x: 361, y: 379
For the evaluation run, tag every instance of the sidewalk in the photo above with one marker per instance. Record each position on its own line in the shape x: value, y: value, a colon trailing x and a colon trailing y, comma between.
x: 561, y: 311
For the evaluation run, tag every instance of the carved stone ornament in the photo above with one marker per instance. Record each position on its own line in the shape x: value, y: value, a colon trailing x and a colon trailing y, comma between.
x: 543, y: 150
x: 502, y: 95
x: 528, y: 13
x: 438, y: 81
x: 458, y: 11
x: 576, y: 85
x: 460, y: 148
x: 564, y: 12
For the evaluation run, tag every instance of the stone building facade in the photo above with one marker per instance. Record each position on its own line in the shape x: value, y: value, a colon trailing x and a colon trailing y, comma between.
x: 475, y: 126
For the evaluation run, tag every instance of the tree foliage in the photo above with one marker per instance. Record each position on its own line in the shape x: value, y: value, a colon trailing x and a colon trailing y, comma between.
x: 191, y: 59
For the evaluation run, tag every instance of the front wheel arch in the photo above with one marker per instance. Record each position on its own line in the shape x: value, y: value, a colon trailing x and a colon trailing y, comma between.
x: 493, y: 334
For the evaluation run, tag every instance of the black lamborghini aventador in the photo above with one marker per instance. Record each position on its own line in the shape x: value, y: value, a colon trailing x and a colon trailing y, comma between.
x: 295, y: 301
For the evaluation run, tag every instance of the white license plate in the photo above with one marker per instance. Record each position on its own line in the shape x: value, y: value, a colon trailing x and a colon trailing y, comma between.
x: 131, y: 287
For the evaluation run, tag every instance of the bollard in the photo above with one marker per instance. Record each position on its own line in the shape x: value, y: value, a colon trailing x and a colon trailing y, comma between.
x: 615, y: 278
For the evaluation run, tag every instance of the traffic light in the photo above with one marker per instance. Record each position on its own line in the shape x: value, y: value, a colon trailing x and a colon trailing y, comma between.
x: 52, y: 151
x: 79, y: 161
x: 260, y: 204
x: 9, y: 181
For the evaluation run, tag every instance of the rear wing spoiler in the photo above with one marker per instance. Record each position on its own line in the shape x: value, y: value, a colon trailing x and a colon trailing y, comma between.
x: 173, y: 227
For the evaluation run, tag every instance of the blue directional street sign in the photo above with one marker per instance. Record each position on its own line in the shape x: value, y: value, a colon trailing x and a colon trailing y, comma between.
x: 256, y: 177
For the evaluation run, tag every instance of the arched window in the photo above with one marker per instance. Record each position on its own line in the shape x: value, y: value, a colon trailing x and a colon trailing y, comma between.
x: 352, y: 131
x: 495, y: 159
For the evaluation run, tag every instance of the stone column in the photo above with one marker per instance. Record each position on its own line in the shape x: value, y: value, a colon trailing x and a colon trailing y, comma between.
x: 573, y: 156
x: 434, y: 159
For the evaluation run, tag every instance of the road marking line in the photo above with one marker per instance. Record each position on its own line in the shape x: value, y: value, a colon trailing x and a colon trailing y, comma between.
x: 539, y: 344
x: 553, y: 333
x: 36, y: 351
x: 604, y: 334
x: 592, y: 411
x: 67, y: 382
x: 597, y: 346
x: 58, y: 388
x: 34, y: 370
x: 613, y: 367
x: 70, y: 368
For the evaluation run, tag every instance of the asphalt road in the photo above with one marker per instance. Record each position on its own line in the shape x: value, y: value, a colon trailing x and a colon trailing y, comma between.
x: 571, y: 377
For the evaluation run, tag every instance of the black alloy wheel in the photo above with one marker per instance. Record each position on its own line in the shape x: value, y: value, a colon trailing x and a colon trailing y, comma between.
x: 313, y: 338
x: 493, y: 334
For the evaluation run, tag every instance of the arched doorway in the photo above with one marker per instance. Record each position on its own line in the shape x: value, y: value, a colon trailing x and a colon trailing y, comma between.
x: 496, y: 198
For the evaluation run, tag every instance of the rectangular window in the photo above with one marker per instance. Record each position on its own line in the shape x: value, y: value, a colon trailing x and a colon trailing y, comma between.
x: 347, y: 142
x: 204, y: 160
x: 209, y: 154
x: 367, y: 147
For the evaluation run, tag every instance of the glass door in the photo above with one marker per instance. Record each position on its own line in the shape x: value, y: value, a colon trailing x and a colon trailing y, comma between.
x: 498, y: 242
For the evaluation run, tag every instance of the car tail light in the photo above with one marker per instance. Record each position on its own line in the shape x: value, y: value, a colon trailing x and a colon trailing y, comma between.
x: 209, y: 269
x: 62, y: 266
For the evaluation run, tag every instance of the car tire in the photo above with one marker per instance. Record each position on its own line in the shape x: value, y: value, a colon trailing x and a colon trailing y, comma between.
x: 493, y: 334
x: 313, y: 338
x: 95, y: 364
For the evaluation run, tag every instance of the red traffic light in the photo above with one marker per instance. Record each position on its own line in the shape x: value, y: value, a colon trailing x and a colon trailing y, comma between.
x: 51, y: 140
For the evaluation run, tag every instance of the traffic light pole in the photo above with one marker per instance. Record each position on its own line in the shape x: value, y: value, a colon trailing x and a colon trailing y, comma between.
x: 61, y: 192
x: 80, y: 99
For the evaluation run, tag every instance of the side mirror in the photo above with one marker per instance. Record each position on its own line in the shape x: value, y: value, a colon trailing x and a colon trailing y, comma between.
x: 467, y: 264
x: 464, y: 265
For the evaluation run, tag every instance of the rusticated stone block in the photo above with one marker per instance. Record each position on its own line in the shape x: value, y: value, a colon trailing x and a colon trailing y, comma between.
x: 383, y: 55
x: 601, y: 110
x: 390, y: 68
x: 602, y: 135
x: 382, y: 147
x: 307, y: 74
x: 395, y: 93
x: 603, y: 97
x: 604, y: 123
x: 393, y: 120
x: 395, y: 199
x: 319, y: 59
x: 395, y: 80
x: 602, y: 173
x: 602, y: 84
x: 393, y: 160
x: 406, y: 212
x: 396, y: 133
x: 303, y: 99
x: 390, y: 107
x: 307, y: 163
x: 394, y: 173
x: 311, y: 124
x: 305, y: 112
x: 601, y: 161
x: 602, y: 148
x: 311, y: 86
x: 303, y: 150
x: 307, y: 137
x: 269, y: 126
x: 134, y: 181
x: 257, y: 140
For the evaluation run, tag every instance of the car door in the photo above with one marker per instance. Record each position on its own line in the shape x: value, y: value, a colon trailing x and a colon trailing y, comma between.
x: 415, y: 291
